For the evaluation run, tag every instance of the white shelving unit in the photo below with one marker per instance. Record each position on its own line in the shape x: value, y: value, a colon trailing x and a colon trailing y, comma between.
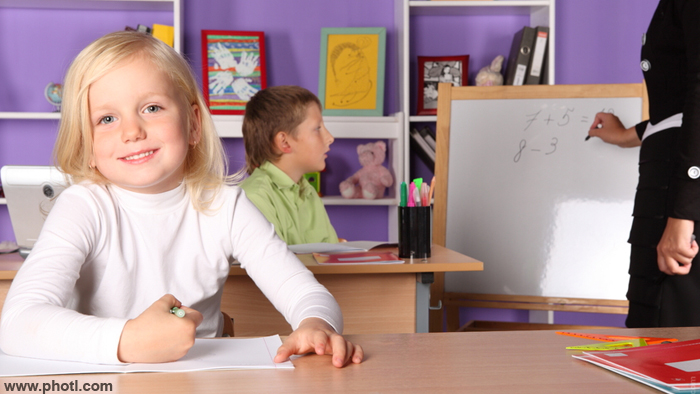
x: 541, y: 13
x: 390, y: 128
x: 174, y: 6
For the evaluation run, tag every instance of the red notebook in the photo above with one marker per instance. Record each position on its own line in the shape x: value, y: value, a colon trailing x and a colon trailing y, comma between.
x: 674, y: 364
x: 357, y: 258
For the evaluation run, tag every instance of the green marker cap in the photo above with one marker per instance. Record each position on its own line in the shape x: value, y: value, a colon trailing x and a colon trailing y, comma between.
x: 418, y: 182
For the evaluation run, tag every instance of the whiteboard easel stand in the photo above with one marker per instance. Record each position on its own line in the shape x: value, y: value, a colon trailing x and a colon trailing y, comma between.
x: 452, y: 301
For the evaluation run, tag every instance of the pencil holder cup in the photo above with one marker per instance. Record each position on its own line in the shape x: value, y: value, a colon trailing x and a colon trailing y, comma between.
x: 415, y: 232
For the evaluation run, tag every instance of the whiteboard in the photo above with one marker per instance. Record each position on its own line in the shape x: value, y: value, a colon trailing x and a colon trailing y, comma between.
x: 547, y: 212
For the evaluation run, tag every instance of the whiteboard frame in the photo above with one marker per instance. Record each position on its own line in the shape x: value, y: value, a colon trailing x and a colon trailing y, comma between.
x: 446, y: 95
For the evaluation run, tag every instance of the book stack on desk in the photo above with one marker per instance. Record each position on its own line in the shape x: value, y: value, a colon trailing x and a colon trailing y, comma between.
x: 670, y: 367
x: 351, y: 258
x: 340, y: 247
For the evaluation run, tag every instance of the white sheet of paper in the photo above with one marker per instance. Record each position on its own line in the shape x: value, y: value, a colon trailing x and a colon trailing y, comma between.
x: 206, y: 354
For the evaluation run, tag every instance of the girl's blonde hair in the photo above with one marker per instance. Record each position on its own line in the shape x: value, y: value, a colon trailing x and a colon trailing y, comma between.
x: 206, y: 165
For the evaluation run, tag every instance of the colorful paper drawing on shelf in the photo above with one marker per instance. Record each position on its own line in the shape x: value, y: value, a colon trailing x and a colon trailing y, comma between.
x: 233, y: 64
x: 352, y: 71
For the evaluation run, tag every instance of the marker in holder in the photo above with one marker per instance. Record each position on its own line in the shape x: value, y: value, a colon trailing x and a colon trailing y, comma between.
x: 415, y: 232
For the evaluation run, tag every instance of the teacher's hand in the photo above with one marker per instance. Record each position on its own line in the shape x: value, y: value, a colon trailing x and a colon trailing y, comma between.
x: 608, y: 128
x: 675, y: 251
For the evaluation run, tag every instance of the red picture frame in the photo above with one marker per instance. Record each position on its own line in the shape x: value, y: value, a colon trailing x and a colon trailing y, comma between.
x: 433, y: 70
x: 233, y: 69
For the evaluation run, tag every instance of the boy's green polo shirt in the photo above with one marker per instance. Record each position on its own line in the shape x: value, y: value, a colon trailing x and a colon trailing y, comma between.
x: 295, y: 209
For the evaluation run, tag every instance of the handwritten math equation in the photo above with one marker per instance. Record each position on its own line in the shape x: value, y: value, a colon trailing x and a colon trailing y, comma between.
x: 551, y: 120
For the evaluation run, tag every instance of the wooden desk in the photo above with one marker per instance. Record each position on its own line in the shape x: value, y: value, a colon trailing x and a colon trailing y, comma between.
x: 382, y: 298
x: 521, y: 362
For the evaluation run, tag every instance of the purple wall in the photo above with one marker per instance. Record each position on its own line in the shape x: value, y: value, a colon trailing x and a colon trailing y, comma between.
x: 292, y: 33
x: 595, y: 46
x: 597, y: 41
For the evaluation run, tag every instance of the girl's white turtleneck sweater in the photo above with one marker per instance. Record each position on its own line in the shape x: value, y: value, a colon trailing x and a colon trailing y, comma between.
x: 106, y: 254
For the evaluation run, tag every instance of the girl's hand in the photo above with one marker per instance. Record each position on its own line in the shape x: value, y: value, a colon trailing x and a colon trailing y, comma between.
x: 315, y: 335
x: 676, y: 249
x: 157, y: 335
x: 608, y: 128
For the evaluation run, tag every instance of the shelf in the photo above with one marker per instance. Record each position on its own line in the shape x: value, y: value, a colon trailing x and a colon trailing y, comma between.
x: 30, y: 115
x: 496, y: 7
x: 423, y: 118
x: 128, y: 5
x: 408, y: 13
x: 382, y: 127
x: 338, y: 200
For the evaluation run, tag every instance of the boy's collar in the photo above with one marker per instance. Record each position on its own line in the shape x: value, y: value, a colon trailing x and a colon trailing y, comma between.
x: 282, y: 180
x: 278, y: 177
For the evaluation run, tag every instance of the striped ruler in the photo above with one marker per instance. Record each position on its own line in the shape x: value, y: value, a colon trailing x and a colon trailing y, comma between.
x: 614, y: 338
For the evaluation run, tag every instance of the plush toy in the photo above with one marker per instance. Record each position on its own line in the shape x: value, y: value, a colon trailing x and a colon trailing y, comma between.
x: 491, y: 75
x: 372, y: 179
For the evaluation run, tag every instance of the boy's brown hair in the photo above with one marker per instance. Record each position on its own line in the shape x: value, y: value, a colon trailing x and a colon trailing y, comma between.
x: 269, y: 111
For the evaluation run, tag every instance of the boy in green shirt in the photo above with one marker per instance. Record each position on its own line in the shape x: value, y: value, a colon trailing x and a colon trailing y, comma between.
x: 284, y: 139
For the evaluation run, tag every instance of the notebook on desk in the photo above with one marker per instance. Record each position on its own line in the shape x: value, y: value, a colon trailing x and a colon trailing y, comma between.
x: 30, y: 193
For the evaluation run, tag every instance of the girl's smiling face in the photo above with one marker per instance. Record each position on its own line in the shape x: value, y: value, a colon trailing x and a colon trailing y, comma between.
x: 140, y: 127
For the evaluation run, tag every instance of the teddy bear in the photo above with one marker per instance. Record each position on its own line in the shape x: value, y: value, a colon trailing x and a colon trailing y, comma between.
x: 372, y: 179
x: 491, y: 74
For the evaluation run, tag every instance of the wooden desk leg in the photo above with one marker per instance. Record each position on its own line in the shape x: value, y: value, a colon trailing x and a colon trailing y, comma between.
x: 423, y: 282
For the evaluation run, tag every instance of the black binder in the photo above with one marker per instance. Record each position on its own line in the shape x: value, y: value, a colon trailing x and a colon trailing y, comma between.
x: 535, y: 72
x: 520, y: 53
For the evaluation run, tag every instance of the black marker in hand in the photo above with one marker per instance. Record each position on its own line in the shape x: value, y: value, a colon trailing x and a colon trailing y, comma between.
x: 588, y: 137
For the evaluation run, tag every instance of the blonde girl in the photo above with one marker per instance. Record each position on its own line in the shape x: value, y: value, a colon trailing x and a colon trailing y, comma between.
x: 151, y: 222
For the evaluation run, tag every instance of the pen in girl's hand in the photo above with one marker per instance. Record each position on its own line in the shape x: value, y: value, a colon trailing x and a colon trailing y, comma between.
x: 178, y: 312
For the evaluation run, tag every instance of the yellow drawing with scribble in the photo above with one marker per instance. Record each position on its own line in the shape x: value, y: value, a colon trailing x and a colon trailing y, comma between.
x: 351, y: 71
